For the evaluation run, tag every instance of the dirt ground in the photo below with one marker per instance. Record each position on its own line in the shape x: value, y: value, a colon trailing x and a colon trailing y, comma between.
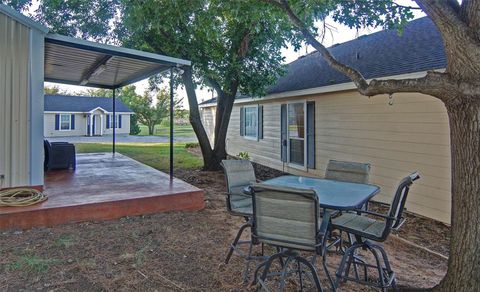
x: 177, y: 251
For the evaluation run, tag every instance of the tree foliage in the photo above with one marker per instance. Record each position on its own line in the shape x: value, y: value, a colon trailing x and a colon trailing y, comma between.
x: 226, y: 40
x: 234, y: 46
x: 79, y: 18
x: 126, y: 94
x: 53, y: 90
x: 151, y: 109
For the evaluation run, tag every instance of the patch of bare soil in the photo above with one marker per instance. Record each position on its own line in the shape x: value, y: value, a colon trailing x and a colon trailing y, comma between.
x: 176, y: 251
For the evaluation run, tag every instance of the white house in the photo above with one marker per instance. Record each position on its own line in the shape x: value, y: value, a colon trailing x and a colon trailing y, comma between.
x: 66, y: 115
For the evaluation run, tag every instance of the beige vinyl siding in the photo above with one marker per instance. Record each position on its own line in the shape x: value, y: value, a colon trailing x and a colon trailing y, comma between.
x: 49, y: 126
x: 412, y: 134
x: 124, y: 130
x: 208, y: 121
x: 14, y: 103
x: 81, y: 125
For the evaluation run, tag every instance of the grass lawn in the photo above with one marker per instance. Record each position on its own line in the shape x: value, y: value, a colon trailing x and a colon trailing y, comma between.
x: 161, y: 130
x: 155, y: 155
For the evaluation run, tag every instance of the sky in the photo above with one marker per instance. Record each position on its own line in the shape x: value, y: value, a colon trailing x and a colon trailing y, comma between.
x: 338, y: 34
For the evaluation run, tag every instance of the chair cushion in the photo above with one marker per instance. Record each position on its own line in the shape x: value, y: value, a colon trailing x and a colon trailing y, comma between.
x: 360, y: 225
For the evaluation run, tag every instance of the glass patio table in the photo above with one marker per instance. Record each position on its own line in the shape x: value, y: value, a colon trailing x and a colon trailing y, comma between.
x: 331, y: 194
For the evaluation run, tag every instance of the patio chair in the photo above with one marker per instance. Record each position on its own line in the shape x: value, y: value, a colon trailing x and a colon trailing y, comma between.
x: 289, y: 219
x: 368, y: 230
x: 59, y: 155
x: 238, y: 175
x: 348, y: 171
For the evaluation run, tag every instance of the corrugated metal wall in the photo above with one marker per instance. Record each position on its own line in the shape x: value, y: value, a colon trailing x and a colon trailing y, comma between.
x: 14, y: 103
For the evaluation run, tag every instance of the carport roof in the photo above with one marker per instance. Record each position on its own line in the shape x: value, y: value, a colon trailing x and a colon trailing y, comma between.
x: 75, y: 61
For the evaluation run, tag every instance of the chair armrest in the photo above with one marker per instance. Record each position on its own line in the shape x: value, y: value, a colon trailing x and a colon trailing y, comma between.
x: 246, y: 196
x: 325, y: 223
x: 248, y: 191
x: 359, y: 211
x: 53, y: 143
x: 322, y: 231
x: 322, y: 234
x: 62, y: 145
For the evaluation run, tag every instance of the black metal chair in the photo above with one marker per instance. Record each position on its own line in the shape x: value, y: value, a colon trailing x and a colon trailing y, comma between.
x: 289, y: 219
x: 239, y: 174
x: 367, y: 231
x: 59, y: 155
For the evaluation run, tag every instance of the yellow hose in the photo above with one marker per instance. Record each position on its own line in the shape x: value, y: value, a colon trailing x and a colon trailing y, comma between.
x: 21, y: 197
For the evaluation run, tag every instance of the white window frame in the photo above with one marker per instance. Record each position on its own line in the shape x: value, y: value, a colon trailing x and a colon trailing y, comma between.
x: 113, y: 121
x: 69, y: 122
x: 254, y: 138
x: 293, y: 164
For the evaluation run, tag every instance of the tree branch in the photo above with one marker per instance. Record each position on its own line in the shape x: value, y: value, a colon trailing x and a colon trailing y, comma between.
x: 406, y: 6
x: 470, y: 13
x: 443, y: 14
x: 214, y: 83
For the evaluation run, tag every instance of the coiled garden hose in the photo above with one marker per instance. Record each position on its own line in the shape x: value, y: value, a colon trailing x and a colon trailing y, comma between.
x: 21, y: 197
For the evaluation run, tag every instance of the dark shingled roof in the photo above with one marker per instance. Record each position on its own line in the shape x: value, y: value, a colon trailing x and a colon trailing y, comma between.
x: 68, y: 103
x: 384, y: 53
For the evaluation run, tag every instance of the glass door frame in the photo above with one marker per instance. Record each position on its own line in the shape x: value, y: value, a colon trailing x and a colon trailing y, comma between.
x: 293, y: 164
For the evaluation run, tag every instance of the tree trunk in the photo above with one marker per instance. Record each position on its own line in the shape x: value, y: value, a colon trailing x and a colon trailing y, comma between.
x: 213, y: 162
x: 151, y: 129
x: 221, y: 129
x: 464, y: 261
x: 210, y: 162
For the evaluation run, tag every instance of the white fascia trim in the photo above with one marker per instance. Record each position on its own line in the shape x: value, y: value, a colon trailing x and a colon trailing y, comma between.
x: 62, y: 112
x: 123, y: 113
x: 70, y: 112
x: 98, y: 108
x: 323, y: 89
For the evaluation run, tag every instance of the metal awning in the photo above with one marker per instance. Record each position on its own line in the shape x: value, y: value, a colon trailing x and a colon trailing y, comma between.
x: 80, y: 62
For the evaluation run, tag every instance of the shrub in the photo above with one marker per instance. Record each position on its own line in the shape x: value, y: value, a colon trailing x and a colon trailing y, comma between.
x: 191, y: 145
x: 243, y: 155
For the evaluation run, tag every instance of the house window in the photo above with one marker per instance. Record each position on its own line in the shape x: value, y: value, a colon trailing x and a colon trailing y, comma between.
x: 251, y: 122
x: 65, y: 122
x: 296, y: 133
x: 114, y: 122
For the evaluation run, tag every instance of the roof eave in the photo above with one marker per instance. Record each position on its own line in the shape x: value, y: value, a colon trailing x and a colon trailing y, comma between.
x: 115, y: 51
x: 320, y: 90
